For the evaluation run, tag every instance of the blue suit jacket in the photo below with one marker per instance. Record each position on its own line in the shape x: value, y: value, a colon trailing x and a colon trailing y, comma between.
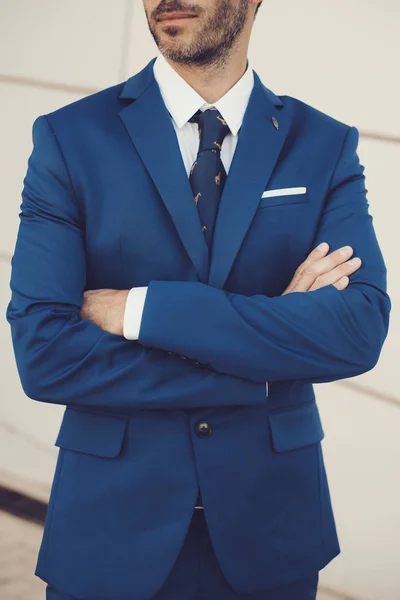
x: 107, y: 204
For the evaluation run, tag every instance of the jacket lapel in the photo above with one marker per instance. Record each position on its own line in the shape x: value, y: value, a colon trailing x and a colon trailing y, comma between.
x: 256, y: 154
x: 151, y: 130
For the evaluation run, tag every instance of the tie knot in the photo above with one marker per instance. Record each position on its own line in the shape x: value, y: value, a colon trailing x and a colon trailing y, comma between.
x: 212, y: 129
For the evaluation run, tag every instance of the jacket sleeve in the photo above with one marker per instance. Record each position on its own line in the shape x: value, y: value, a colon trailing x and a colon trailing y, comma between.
x: 317, y: 336
x: 64, y: 359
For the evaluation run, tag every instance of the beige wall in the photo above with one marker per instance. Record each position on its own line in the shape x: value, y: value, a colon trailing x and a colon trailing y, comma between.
x: 341, y: 57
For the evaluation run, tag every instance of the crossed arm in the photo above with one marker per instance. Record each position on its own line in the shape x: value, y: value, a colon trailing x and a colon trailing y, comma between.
x: 63, y: 358
x: 317, y: 336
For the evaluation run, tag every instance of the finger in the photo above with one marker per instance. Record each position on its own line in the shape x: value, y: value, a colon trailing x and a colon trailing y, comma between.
x: 335, y: 274
x: 301, y: 281
x: 332, y: 260
x: 319, y: 250
x: 318, y: 264
x: 342, y: 283
x: 314, y: 268
x: 338, y: 257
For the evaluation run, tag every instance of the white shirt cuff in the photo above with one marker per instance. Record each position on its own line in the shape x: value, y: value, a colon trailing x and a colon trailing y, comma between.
x: 133, y: 312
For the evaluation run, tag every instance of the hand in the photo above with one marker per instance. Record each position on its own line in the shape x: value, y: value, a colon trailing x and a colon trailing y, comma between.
x: 106, y: 309
x: 319, y: 270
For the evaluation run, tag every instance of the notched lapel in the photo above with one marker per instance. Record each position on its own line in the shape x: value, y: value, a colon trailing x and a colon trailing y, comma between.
x: 151, y: 130
x: 256, y: 155
x: 260, y: 142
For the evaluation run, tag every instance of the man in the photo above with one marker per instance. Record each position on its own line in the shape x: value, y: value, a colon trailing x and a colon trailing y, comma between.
x: 170, y: 288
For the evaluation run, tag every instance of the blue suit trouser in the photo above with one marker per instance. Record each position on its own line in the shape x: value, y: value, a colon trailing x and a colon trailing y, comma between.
x: 196, y: 575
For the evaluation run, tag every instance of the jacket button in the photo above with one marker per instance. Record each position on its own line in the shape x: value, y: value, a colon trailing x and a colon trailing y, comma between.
x: 203, y: 429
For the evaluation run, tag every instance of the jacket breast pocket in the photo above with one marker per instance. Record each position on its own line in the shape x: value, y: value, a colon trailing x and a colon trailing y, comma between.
x: 284, y: 200
x: 92, y: 433
x: 296, y: 428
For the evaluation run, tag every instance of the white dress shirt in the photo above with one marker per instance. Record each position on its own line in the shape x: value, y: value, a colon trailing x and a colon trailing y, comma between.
x: 182, y: 101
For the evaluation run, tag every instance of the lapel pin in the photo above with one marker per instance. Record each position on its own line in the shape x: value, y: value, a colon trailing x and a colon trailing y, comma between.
x: 275, y: 122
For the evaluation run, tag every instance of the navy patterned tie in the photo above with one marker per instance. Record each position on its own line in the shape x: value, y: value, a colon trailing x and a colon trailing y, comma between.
x: 207, y: 174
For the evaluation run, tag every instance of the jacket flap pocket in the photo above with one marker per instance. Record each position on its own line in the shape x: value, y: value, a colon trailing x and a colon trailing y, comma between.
x: 90, y: 432
x: 288, y: 199
x: 296, y: 427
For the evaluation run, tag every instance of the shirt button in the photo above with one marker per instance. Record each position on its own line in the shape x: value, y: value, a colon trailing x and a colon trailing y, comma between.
x: 203, y: 429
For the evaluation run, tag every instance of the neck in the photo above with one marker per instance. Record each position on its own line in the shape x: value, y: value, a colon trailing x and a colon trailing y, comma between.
x: 212, y: 82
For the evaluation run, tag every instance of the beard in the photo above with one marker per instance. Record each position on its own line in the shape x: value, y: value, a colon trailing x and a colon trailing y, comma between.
x: 211, y: 43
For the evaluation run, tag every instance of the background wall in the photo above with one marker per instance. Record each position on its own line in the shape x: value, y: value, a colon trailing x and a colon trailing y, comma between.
x: 341, y: 57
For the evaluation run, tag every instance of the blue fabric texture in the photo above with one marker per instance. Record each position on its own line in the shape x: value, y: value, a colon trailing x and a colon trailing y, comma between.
x: 196, y: 575
x: 107, y: 203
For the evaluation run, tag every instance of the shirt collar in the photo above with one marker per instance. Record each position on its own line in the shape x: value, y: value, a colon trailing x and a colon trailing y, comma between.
x: 182, y: 101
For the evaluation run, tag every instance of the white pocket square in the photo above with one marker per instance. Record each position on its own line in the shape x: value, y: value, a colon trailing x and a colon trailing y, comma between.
x: 284, y: 192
